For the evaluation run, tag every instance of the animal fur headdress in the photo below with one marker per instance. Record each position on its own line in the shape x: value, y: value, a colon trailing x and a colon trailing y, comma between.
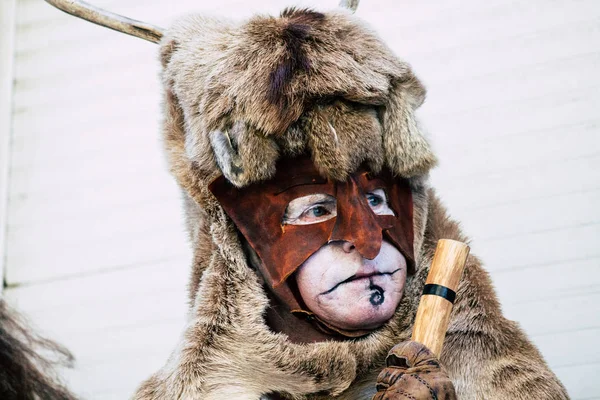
x: 305, y: 81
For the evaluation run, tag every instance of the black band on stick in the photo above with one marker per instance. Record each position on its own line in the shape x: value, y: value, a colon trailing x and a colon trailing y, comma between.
x: 439, y: 290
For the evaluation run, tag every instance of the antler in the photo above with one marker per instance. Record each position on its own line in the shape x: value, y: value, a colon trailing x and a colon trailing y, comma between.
x: 351, y: 5
x: 108, y: 19
x: 130, y: 26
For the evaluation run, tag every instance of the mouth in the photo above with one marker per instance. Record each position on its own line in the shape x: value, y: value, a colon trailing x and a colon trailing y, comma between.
x: 359, y: 276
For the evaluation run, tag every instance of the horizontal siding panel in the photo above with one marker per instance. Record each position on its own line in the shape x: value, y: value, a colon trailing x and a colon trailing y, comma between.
x: 81, y: 133
x: 572, y: 278
x: 506, y: 49
x: 540, y: 248
x: 90, y: 202
x: 534, y: 215
x: 581, y: 381
x: 564, y: 349
x: 87, y: 117
x: 541, y: 78
x: 561, y: 314
x: 97, y: 381
x: 125, y: 166
x: 87, y: 87
x: 568, y: 108
x: 100, y: 149
x: 464, y: 24
x: 147, y: 279
x: 46, y: 263
x: 513, y: 186
x: 484, y: 56
x: 128, y: 343
x: 141, y: 310
x: 531, y: 149
x: 140, y: 219
x: 85, y: 61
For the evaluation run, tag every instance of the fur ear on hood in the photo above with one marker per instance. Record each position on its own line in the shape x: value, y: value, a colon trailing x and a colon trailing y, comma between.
x: 406, y: 150
x: 302, y: 82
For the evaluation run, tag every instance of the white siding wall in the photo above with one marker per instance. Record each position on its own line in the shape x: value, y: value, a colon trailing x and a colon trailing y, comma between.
x: 7, y: 51
x: 96, y: 254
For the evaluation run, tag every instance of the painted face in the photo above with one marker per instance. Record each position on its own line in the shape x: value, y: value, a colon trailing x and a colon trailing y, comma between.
x: 297, y: 214
x: 349, y: 291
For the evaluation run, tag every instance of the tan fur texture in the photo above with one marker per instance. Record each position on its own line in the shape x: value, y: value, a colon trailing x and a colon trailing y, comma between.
x: 237, y: 97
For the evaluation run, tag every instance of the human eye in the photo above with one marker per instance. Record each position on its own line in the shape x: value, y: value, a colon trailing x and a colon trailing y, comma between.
x: 310, y: 209
x: 374, y: 200
x: 378, y: 202
x: 316, y: 211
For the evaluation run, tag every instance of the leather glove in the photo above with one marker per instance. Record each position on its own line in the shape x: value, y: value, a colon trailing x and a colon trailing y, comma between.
x: 414, y: 373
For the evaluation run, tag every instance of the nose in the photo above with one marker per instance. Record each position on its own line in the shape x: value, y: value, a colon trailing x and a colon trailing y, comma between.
x: 355, y: 222
x: 348, y: 247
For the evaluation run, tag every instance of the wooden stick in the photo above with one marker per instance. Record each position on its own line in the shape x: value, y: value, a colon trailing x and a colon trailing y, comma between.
x: 433, y: 314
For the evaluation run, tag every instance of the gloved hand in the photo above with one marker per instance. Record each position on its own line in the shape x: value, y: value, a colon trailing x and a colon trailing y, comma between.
x: 414, y: 373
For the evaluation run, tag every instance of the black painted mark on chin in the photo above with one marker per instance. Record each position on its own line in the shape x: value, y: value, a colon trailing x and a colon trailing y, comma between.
x: 377, y: 297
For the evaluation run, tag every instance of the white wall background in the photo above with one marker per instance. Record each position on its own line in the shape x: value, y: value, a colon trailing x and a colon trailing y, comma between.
x: 95, y: 251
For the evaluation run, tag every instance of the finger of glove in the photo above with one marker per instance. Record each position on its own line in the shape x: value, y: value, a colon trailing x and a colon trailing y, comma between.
x: 379, y: 395
x: 388, y: 377
x: 430, y: 385
x: 411, y: 354
x: 393, y: 395
x: 442, y: 384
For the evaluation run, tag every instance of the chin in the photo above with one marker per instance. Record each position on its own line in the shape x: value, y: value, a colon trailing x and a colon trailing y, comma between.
x: 364, y: 316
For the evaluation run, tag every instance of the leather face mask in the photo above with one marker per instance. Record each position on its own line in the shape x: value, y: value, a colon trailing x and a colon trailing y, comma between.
x: 259, y: 212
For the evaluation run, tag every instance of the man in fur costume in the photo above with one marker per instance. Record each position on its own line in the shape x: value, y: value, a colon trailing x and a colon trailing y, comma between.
x: 305, y: 181
x: 304, y: 171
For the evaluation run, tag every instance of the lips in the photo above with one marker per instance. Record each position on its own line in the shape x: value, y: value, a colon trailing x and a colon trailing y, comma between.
x: 359, y: 276
x: 363, y: 275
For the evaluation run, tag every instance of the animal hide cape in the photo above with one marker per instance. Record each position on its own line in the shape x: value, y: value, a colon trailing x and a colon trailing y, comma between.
x: 237, y: 96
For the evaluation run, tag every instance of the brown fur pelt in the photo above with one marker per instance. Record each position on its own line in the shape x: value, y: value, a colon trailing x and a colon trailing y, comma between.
x: 254, y: 91
x: 237, y: 97
x: 24, y: 373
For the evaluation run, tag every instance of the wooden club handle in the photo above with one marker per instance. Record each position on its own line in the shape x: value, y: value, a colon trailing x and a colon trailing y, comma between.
x: 433, y: 314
